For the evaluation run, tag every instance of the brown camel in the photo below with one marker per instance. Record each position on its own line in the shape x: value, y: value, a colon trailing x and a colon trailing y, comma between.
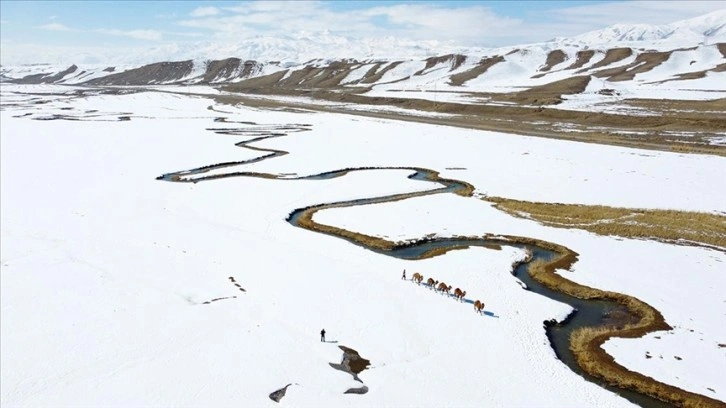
x: 479, y: 306
x: 459, y: 294
x: 431, y: 282
x: 443, y: 288
x: 417, y: 277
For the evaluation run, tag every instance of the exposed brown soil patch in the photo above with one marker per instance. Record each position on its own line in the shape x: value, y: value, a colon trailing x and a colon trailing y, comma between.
x: 486, y: 63
x: 455, y: 59
x: 229, y: 68
x: 60, y: 75
x: 297, y: 77
x: 548, y: 94
x: 695, y: 74
x: 611, y: 56
x: 553, y: 58
x: 221, y: 68
x: 353, y: 364
x: 583, y: 57
x: 159, y: 72
x: 722, y: 48
x: 329, y: 76
x: 371, y: 71
x: 643, y: 63
x: 377, y: 75
x: 45, y: 78
x: 332, y: 75
x: 265, y: 82
x: 687, y: 75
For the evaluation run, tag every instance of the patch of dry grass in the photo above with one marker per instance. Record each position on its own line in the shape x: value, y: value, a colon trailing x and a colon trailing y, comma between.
x: 671, y: 226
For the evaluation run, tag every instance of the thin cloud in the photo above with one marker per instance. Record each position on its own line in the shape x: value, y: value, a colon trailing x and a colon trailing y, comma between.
x: 469, y: 24
x: 415, y: 21
x: 420, y: 21
x: 183, y: 34
x: 204, y: 12
x: 634, y: 12
x: 166, y: 16
x: 149, y: 35
x: 55, y: 27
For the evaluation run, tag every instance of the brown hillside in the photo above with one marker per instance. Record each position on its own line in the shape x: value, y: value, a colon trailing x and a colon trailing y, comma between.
x: 369, y: 79
x: 722, y: 48
x: 553, y: 58
x: 486, y: 63
x: 260, y: 83
x: 695, y: 74
x: 549, y: 94
x: 329, y: 76
x: 611, y: 56
x: 46, y: 78
x: 221, y: 69
x: 456, y: 61
x: 158, y: 72
x: 643, y: 63
x: 583, y: 57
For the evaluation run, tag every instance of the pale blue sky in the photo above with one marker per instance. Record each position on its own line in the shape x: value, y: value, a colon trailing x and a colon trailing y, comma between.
x: 56, y: 26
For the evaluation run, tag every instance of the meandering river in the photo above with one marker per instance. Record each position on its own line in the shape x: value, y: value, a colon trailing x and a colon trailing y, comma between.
x: 587, y: 313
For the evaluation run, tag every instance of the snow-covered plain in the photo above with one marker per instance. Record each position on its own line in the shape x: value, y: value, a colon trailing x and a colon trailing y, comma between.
x: 105, y: 269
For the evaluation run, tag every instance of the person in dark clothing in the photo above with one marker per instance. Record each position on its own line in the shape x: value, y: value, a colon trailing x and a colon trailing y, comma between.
x: 404, y: 275
x: 322, y: 335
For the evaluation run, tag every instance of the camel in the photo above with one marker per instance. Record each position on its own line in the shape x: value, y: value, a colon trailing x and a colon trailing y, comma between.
x: 431, y: 282
x: 417, y: 277
x: 459, y: 294
x: 479, y: 306
x: 443, y: 288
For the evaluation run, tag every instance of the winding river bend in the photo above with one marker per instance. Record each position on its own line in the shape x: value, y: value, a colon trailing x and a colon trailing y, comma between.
x: 594, y: 310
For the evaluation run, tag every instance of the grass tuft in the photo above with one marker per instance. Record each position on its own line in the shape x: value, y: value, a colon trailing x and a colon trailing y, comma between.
x: 670, y: 226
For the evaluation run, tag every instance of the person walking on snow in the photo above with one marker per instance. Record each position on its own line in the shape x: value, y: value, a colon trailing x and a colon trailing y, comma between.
x: 404, y: 275
x: 322, y: 335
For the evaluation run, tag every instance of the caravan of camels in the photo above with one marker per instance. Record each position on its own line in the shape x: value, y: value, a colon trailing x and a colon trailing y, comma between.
x: 442, y: 288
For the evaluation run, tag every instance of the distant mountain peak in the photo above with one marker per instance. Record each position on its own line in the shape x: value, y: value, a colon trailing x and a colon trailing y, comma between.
x: 708, y: 28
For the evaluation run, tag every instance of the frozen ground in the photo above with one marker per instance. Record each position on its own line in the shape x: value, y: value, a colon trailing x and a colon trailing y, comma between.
x: 105, y: 270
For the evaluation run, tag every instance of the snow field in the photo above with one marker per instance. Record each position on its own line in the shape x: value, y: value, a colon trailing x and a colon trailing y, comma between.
x: 103, y: 287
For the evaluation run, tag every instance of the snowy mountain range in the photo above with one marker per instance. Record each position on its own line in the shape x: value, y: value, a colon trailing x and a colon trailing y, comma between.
x: 686, y: 50
x: 707, y: 29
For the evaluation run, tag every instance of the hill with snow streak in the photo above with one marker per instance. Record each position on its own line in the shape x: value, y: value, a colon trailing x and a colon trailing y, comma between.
x: 625, y: 59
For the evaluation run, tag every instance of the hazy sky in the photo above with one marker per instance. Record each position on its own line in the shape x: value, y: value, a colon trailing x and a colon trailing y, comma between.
x: 85, y: 26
